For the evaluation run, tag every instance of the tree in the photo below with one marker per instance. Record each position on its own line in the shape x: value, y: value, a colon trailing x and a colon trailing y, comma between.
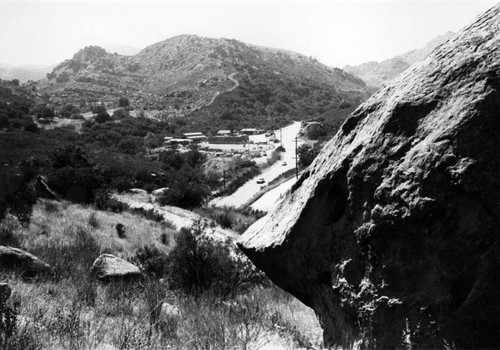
x: 42, y: 111
x: 121, y: 113
x: 69, y: 110
x: 307, y: 154
x: 123, y: 102
x: 100, y: 108
x: 102, y: 117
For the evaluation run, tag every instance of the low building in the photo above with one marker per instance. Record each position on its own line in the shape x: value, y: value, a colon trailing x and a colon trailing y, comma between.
x: 224, y: 133
x: 175, y: 142
x: 249, y: 131
x: 195, y: 136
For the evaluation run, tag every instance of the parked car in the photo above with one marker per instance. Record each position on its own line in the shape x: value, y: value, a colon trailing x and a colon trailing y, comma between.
x: 260, y: 180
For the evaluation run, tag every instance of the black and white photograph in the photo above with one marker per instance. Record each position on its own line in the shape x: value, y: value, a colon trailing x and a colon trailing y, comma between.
x: 249, y: 175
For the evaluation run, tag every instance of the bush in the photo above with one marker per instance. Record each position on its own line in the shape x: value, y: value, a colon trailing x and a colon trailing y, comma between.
x: 93, y: 222
x: 31, y: 127
x: 307, y: 154
x: 8, y: 318
x: 120, y: 230
x: 102, y: 117
x: 199, y: 264
x: 152, y: 261
x: 123, y: 102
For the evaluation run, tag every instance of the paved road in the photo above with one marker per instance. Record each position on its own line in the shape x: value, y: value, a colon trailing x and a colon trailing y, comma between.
x: 249, y: 189
x: 270, y: 199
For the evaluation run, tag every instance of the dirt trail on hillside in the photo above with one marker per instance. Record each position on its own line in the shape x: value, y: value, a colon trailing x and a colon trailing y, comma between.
x: 177, y: 216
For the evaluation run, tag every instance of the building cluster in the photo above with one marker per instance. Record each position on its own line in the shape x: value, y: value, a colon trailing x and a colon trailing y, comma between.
x: 222, y: 136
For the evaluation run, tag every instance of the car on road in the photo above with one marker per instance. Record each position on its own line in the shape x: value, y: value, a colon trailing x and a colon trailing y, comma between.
x: 284, y: 163
x: 260, y: 180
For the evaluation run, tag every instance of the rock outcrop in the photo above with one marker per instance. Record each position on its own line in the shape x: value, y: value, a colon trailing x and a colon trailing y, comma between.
x: 17, y: 260
x: 109, y: 267
x: 393, y: 234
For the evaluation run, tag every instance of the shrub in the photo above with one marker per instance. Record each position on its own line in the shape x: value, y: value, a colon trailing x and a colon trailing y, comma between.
x: 199, y: 264
x: 93, y: 221
x: 8, y: 227
x: 102, y: 117
x: 8, y: 317
x: 31, y: 127
x: 50, y: 206
x: 123, y: 102
x: 152, y: 261
x: 120, y: 230
x: 307, y: 154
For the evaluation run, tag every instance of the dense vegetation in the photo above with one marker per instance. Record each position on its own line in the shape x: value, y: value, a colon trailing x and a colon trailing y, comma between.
x: 104, y: 156
x: 270, y: 101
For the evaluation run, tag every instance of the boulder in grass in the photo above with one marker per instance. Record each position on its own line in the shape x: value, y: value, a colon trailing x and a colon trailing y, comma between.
x: 18, y: 260
x: 108, y: 267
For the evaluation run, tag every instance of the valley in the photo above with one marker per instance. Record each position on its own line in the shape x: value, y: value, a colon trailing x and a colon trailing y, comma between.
x: 208, y: 193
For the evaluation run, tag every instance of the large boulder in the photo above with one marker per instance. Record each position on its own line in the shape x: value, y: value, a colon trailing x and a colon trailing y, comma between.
x: 393, y: 234
x: 17, y: 260
x: 109, y: 267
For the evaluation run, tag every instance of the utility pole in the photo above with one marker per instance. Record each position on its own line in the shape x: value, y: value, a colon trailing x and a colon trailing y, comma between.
x: 281, y: 138
x: 224, y: 177
x: 296, y: 167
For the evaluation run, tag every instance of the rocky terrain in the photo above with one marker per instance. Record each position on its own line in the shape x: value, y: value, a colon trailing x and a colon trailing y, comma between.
x: 392, y: 236
x: 182, y: 74
x: 377, y: 73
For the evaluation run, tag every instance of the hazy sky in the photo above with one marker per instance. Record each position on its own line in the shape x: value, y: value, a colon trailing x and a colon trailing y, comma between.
x: 336, y: 33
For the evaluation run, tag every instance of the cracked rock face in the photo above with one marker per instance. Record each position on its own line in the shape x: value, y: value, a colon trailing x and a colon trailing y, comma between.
x: 392, y: 235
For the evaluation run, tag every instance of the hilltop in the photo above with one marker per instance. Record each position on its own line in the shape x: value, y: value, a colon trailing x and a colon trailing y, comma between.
x: 377, y: 73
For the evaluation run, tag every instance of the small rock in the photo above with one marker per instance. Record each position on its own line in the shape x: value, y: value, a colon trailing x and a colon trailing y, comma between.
x: 15, y: 259
x: 160, y: 191
x: 108, y: 266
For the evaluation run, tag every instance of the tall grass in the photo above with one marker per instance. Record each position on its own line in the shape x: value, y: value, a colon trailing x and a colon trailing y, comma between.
x: 73, y: 311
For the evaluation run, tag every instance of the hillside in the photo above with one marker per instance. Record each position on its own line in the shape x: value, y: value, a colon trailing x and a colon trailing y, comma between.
x: 377, y: 73
x: 186, y: 73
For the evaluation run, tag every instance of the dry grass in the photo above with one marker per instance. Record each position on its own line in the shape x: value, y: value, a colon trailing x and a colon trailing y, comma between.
x: 74, y: 312
x: 60, y: 225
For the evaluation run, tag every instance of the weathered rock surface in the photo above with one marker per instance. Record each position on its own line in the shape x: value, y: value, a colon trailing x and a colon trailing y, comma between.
x: 108, y: 267
x: 18, y: 260
x: 393, y: 234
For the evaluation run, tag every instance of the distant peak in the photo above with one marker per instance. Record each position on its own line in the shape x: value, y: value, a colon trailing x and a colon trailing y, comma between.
x: 90, y: 52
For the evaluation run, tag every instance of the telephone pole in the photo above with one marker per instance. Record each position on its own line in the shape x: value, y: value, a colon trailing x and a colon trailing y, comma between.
x: 296, y: 167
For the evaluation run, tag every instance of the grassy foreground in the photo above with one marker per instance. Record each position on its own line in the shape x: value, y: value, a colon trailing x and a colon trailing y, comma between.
x: 70, y: 310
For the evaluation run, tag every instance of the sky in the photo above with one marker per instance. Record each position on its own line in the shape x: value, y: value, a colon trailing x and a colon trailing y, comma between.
x: 334, y: 32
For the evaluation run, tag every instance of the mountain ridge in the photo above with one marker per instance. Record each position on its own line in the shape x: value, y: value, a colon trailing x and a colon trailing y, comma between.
x: 182, y: 73
x: 375, y: 73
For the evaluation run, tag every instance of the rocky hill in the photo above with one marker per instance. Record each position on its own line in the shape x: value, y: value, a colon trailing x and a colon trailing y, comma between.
x: 186, y: 73
x: 377, y: 73
x: 392, y: 235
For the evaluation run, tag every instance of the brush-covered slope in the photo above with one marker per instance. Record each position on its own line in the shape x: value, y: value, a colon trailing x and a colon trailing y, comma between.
x: 377, y: 73
x: 187, y: 72
x: 392, y: 235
